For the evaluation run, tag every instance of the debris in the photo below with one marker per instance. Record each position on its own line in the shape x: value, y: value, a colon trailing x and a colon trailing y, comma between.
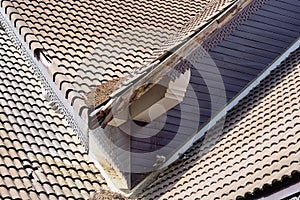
x: 100, y: 94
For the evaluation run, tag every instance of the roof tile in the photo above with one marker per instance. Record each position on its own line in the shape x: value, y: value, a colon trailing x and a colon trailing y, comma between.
x: 67, y: 191
x: 58, y: 190
x: 14, y: 194
x: 33, y: 195
x: 24, y: 194
x: 43, y: 196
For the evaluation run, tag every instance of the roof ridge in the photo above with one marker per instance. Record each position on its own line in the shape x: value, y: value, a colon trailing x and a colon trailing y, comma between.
x: 205, y: 15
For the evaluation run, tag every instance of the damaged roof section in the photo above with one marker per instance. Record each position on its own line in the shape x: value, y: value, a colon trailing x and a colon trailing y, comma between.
x: 100, y: 94
x: 93, y: 42
x: 84, y: 56
x: 155, y: 68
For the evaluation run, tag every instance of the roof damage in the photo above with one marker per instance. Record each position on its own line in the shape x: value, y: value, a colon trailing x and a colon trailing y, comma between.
x: 170, y: 99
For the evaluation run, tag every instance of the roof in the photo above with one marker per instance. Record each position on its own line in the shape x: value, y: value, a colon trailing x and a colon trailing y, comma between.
x: 79, y: 35
x: 41, y: 157
x: 257, y: 146
x: 95, y: 41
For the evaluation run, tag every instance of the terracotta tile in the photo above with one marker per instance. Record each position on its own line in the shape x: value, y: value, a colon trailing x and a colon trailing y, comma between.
x: 79, y: 184
x: 85, y: 194
x: 4, y: 192
x: 33, y: 195
x: 45, y: 167
x: 22, y: 155
x: 37, y: 186
x: 67, y: 192
x: 14, y: 173
x: 8, y: 162
x: 25, y: 133
x: 22, y: 171
x: 98, y: 185
x: 76, y: 193
x: 24, y: 194
x: 2, y: 183
x: 31, y: 157
x: 48, y: 189
x: 9, y: 182
x: 70, y: 183
x: 46, y: 150
x: 52, y: 197
x: 41, y: 176
x: 51, y: 179
x: 58, y: 190
x: 43, y: 196
x: 88, y: 186
x: 19, y: 183
x: 3, y: 152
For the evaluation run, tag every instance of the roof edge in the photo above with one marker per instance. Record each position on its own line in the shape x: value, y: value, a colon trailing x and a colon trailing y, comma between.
x: 106, y: 176
x: 285, y: 193
x: 55, y: 96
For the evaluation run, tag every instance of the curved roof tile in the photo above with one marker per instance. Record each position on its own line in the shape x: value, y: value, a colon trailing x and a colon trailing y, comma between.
x: 39, y: 152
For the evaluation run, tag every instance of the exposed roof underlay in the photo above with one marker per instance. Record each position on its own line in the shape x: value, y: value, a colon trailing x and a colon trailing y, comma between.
x: 241, y: 50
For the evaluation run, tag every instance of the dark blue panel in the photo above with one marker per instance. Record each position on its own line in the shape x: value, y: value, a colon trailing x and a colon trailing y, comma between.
x: 240, y: 58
